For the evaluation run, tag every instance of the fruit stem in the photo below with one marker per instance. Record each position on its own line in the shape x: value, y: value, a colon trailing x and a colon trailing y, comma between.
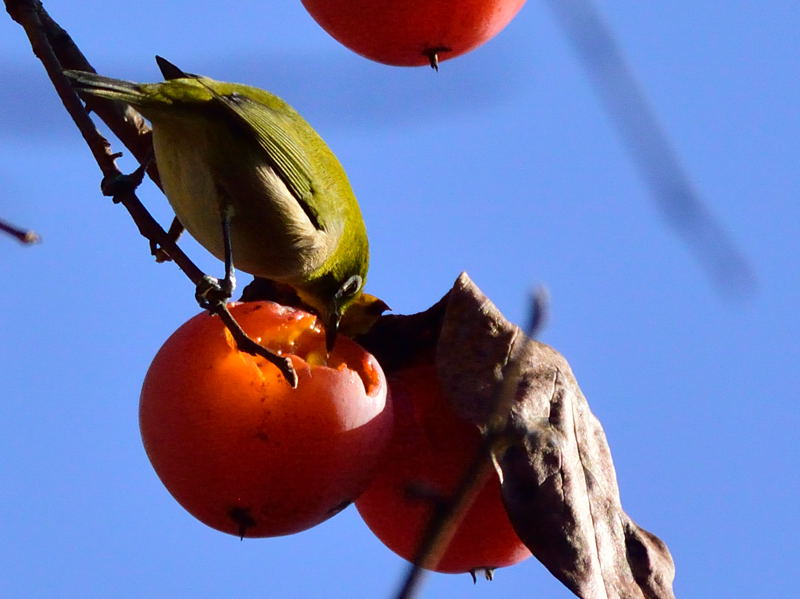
x: 241, y: 516
x: 433, y: 55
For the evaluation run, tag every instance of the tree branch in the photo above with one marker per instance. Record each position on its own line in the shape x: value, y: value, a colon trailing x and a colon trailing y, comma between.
x: 56, y: 50
x: 25, y: 236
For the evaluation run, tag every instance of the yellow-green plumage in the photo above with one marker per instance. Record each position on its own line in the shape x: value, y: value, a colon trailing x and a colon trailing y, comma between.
x: 229, y: 147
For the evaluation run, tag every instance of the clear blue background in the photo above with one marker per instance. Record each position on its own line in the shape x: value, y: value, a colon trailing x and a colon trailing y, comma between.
x: 504, y: 165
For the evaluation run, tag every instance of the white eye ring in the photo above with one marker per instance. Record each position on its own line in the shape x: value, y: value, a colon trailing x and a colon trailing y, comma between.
x: 350, y: 286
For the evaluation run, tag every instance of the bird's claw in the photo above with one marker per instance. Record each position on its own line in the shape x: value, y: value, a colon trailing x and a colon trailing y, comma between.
x: 212, y: 292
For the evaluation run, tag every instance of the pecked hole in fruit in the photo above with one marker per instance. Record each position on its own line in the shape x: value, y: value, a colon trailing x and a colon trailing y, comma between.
x: 317, y: 358
x: 301, y: 335
x: 370, y: 378
x: 299, y: 339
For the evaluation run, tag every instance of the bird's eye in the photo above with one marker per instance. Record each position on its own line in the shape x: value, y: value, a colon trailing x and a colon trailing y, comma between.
x: 351, y: 286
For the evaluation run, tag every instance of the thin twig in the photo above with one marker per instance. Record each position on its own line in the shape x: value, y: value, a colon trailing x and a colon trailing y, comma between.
x: 121, y: 188
x: 655, y: 157
x: 53, y: 46
x: 446, y: 516
x: 126, y: 123
x: 248, y: 345
x: 27, y: 14
x: 538, y: 312
x: 448, y: 512
x: 25, y: 236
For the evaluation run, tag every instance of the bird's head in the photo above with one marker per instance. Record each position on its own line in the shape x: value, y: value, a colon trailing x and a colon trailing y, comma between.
x: 330, y: 297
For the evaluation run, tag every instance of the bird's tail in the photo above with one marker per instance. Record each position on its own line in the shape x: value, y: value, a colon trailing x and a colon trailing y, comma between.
x: 92, y: 84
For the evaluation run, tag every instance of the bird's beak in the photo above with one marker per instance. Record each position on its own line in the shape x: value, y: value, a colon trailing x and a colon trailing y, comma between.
x: 331, y: 329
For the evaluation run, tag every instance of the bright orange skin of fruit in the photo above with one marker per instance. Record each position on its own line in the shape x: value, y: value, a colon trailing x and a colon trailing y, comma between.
x: 404, y: 32
x: 431, y: 449
x: 238, y: 447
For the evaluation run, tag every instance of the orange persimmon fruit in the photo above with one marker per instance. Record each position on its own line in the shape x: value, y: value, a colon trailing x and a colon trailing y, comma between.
x: 412, y: 32
x: 238, y: 447
x: 430, y: 451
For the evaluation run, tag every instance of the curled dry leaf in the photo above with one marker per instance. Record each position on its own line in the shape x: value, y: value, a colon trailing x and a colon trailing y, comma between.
x: 559, y: 483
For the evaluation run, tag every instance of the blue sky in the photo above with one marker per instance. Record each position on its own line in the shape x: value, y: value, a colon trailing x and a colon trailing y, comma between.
x: 504, y: 165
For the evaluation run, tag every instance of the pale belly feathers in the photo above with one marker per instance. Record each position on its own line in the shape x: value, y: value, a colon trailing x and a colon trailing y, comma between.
x: 271, y: 234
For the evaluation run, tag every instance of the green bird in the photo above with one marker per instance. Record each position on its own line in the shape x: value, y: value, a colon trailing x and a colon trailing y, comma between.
x: 253, y: 182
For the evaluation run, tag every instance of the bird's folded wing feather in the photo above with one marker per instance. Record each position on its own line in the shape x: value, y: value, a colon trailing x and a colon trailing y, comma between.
x: 284, y: 154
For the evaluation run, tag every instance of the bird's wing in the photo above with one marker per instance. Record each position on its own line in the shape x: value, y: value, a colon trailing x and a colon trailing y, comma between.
x: 284, y: 154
